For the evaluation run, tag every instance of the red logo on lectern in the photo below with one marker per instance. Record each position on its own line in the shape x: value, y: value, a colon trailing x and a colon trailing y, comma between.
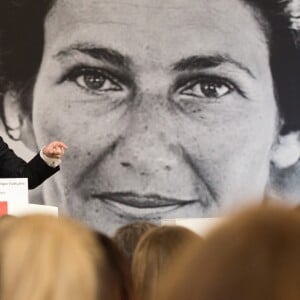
x: 3, y: 208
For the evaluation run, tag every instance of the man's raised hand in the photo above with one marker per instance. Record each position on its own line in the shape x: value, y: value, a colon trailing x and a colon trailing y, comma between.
x: 55, y: 149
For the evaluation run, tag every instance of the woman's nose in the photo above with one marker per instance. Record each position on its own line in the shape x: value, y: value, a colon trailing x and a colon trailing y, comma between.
x: 148, y: 156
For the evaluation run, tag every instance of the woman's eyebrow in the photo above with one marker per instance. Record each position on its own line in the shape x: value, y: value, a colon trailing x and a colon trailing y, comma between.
x: 196, y: 62
x: 109, y: 55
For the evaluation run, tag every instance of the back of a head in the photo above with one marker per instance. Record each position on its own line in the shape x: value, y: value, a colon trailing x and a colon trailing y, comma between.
x: 154, y: 255
x: 255, y: 255
x: 5, y: 222
x: 43, y: 257
x: 117, y: 281
x: 128, y: 236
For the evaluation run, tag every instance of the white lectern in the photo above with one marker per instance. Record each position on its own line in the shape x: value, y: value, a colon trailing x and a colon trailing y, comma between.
x: 14, y: 199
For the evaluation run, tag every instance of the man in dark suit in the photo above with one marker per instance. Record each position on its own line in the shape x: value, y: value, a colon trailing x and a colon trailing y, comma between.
x: 42, y: 166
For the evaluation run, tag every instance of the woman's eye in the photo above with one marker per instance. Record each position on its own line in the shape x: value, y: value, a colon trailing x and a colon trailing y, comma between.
x: 95, y: 81
x: 208, y: 89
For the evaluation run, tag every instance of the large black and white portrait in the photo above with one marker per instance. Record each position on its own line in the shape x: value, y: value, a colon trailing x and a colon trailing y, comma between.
x: 174, y: 108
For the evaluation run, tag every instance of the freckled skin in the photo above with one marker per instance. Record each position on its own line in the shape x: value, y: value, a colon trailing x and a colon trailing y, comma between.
x: 151, y: 130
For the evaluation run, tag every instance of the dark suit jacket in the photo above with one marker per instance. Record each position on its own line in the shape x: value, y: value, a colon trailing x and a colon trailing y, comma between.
x: 12, y: 166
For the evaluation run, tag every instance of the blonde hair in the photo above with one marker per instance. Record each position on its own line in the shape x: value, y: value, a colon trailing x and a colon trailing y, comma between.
x: 5, y: 222
x: 43, y: 258
x: 155, y: 254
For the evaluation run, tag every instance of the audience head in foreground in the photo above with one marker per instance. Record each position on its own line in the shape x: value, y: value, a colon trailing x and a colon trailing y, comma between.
x: 128, y: 236
x: 118, y: 284
x: 42, y: 257
x: 6, y: 221
x: 155, y: 254
x: 256, y: 255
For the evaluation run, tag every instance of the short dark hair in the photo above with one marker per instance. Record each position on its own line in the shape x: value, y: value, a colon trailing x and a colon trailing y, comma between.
x: 22, y: 42
x: 284, y: 45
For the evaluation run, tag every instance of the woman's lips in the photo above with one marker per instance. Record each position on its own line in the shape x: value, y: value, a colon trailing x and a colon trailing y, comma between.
x: 141, y: 201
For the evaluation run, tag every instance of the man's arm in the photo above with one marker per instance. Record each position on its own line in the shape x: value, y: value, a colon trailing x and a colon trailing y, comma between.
x: 10, y: 164
x: 37, y: 170
x: 45, y: 164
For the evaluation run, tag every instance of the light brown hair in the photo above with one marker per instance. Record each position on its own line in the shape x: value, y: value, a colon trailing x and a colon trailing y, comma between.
x: 118, y: 280
x: 256, y: 255
x: 155, y: 254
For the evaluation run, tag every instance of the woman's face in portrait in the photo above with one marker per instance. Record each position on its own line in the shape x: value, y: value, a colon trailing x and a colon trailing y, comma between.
x: 167, y: 108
